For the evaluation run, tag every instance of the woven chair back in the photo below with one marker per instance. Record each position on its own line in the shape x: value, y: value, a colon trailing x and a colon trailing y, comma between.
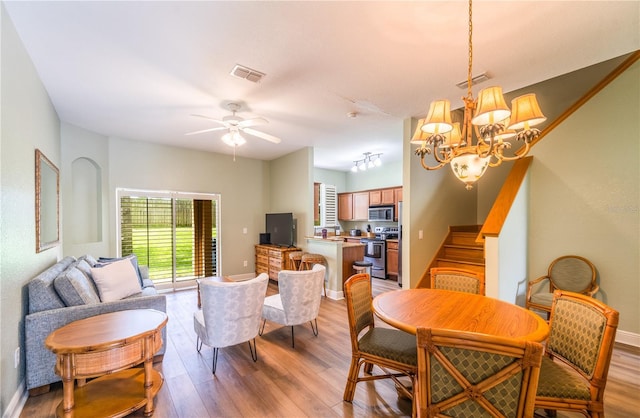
x: 475, y: 375
x: 572, y: 273
x: 582, y: 332
x: 459, y: 280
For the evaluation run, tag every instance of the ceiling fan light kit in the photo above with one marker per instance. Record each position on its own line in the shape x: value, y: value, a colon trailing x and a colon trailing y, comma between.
x: 237, y: 125
x: 493, y: 124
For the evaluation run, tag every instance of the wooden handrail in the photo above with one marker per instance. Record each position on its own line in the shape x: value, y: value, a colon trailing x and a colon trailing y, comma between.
x: 588, y: 95
x: 502, y: 205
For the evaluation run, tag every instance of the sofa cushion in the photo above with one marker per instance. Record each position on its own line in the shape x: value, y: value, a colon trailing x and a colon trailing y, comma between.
x: 89, y: 259
x: 84, y: 267
x: 116, y: 280
x: 75, y: 288
x: 131, y: 257
x: 42, y: 293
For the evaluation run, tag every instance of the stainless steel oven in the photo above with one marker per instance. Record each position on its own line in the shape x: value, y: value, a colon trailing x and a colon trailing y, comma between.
x: 375, y: 252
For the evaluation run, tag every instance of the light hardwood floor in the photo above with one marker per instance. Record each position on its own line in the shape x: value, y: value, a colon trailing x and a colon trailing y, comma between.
x: 307, y: 381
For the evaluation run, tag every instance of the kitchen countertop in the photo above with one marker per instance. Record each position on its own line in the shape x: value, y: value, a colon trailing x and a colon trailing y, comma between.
x: 334, y: 240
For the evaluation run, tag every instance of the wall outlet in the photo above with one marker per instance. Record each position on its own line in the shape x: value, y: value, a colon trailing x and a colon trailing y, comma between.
x: 16, y: 358
x: 420, y: 235
x: 244, y: 230
x: 245, y: 263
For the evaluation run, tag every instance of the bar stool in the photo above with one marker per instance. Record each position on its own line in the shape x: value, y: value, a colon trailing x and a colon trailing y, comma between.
x: 296, y: 259
x: 307, y: 262
x: 362, y: 267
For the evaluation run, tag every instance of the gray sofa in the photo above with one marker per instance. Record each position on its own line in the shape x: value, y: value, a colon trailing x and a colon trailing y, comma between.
x: 64, y: 293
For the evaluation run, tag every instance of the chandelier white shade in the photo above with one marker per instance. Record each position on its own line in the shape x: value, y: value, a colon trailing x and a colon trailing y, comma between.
x: 488, y: 119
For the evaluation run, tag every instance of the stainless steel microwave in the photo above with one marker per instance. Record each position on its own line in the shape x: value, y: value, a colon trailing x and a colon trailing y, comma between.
x: 381, y: 213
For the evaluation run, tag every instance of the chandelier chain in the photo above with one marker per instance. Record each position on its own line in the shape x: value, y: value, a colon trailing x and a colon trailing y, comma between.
x: 470, y: 69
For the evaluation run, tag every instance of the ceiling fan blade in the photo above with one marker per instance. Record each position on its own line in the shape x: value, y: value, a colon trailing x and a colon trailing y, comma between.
x: 252, y: 122
x: 262, y: 135
x: 206, y: 130
x: 212, y: 119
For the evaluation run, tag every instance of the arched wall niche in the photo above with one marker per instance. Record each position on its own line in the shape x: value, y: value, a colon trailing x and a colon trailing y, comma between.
x: 86, y: 190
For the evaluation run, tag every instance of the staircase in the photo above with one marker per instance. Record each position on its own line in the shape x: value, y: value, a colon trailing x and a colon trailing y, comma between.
x: 459, y: 250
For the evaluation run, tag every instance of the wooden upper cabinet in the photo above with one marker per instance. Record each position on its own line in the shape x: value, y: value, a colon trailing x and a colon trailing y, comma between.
x: 345, y: 206
x: 388, y: 196
x: 355, y: 206
x: 361, y: 206
x: 375, y: 197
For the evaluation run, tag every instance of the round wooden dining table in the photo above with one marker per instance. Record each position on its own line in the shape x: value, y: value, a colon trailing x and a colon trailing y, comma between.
x: 458, y: 311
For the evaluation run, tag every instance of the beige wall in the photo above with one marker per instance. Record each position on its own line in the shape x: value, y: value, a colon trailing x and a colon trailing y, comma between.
x: 28, y: 121
x: 291, y: 180
x: 433, y: 200
x: 584, y: 194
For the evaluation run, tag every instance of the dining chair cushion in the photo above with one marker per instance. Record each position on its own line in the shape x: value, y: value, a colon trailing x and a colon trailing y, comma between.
x: 457, y: 283
x: 560, y: 382
x: 391, y: 344
x: 577, y: 335
x: 544, y: 299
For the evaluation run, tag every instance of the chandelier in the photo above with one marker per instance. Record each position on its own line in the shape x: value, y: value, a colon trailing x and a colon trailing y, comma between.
x: 369, y: 161
x: 493, y: 124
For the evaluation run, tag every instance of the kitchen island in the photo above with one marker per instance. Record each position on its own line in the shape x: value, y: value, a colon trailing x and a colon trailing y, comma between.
x: 340, y: 257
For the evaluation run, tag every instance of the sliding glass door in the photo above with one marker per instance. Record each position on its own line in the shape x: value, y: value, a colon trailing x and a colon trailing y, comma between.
x: 174, y: 234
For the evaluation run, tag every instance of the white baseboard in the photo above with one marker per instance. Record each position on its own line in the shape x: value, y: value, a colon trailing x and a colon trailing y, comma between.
x: 628, y: 338
x: 14, y: 409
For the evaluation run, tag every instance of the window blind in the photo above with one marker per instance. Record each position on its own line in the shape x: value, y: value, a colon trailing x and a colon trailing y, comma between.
x: 174, y: 236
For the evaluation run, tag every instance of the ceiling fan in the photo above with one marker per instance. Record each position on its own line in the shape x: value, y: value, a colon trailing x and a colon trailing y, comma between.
x: 236, y: 124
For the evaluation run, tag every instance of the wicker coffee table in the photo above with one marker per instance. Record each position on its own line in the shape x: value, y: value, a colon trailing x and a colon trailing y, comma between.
x: 108, y: 347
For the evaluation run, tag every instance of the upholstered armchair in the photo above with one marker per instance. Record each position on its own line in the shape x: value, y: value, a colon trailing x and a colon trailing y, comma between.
x: 230, y: 314
x: 570, y: 272
x: 460, y: 280
x: 298, y: 300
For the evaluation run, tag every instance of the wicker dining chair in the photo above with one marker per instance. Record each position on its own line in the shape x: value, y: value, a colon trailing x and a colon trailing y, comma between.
x: 387, y: 348
x: 464, y: 374
x: 460, y: 280
x: 570, y: 272
x: 578, y: 353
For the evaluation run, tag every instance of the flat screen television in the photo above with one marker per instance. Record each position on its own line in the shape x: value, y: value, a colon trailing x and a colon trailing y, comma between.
x: 280, y: 228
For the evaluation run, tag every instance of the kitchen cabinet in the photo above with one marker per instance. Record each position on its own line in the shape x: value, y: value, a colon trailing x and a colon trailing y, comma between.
x: 361, y: 206
x: 345, y: 206
x: 271, y: 259
x: 354, y: 206
x: 381, y: 197
x: 392, y: 258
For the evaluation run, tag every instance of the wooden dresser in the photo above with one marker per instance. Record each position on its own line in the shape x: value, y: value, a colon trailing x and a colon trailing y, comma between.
x: 271, y: 259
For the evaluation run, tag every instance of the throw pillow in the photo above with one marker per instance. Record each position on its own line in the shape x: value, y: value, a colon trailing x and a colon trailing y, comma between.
x: 116, y: 280
x: 75, y: 288
x: 131, y: 257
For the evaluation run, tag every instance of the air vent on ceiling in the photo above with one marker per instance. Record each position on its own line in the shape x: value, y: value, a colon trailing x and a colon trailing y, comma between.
x: 247, y: 73
x: 475, y: 80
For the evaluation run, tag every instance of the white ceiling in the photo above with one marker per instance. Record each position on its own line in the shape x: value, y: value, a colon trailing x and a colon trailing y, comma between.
x: 138, y: 70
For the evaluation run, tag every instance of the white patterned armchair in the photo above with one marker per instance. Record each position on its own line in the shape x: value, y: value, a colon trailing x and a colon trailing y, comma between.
x: 230, y: 314
x: 298, y: 300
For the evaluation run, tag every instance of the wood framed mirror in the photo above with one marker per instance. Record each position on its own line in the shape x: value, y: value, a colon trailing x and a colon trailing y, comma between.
x: 47, y: 203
